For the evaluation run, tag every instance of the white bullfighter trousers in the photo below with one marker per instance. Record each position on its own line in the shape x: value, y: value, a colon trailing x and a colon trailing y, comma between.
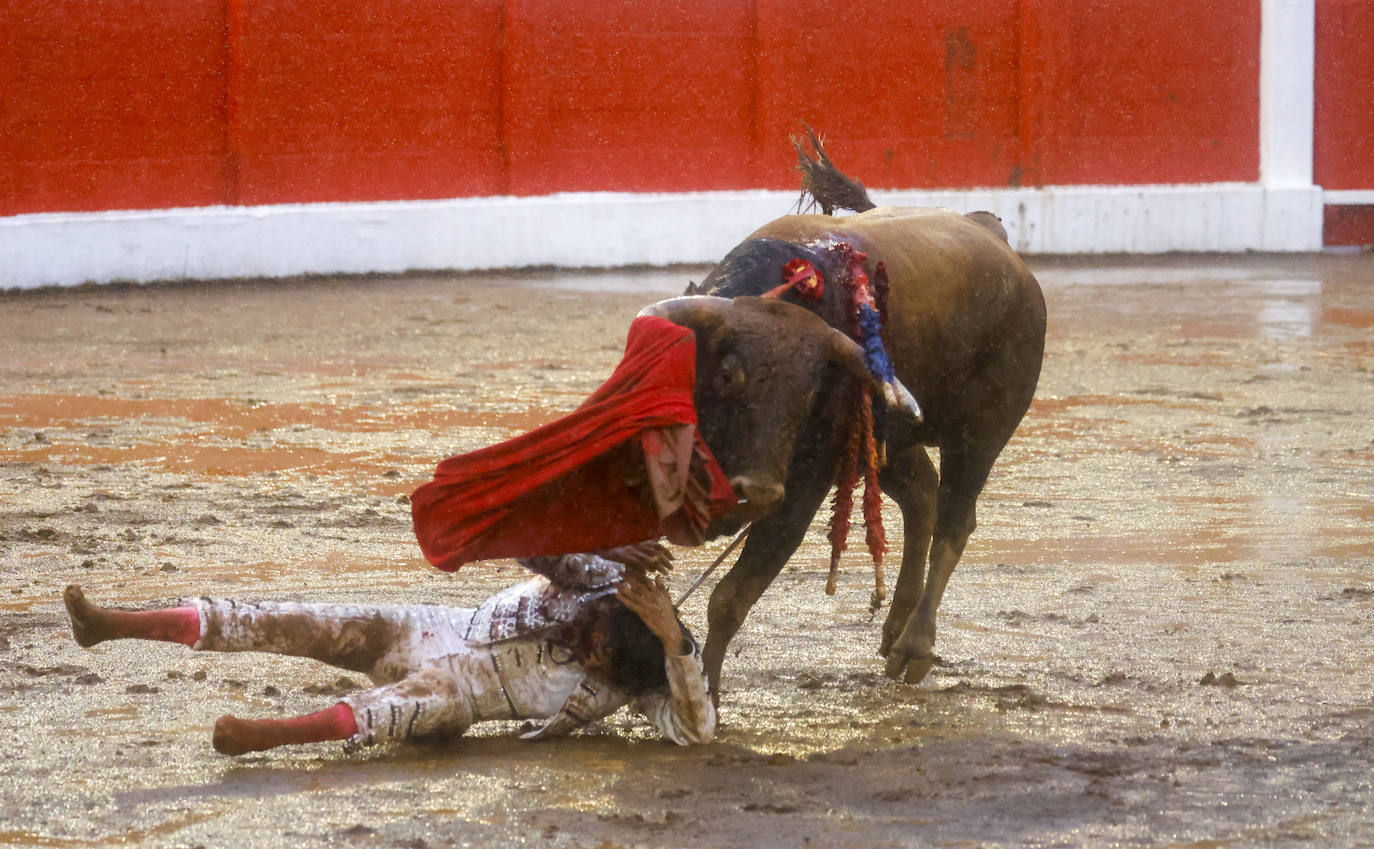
x: 440, y: 669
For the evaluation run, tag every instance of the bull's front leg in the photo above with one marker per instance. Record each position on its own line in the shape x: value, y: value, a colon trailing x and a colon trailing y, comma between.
x: 772, y: 540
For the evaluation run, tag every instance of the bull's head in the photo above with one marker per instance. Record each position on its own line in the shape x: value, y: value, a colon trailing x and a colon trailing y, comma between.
x: 760, y: 364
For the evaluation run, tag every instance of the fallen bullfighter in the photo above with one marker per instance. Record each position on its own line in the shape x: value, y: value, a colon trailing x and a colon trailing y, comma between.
x: 586, y: 637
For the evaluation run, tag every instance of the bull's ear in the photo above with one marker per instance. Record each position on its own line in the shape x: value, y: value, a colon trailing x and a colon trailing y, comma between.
x: 701, y: 313
x: 849, y: 354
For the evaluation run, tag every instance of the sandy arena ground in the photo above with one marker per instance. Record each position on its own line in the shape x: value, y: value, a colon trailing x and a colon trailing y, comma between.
x: 1160, y: 634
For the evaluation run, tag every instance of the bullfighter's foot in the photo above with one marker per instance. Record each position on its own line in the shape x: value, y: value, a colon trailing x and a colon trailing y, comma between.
x: 88, y: 626
x: 234, y: 736
x: 92, y: 624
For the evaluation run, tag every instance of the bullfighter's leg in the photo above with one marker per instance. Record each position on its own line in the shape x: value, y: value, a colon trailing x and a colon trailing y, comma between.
x: 909, y: 479
x: 772, y: 540
x: 434, y: 700
x: 235, y: 736
x: 92, y: 624
x: 383, y: 642
x: 962, y: 475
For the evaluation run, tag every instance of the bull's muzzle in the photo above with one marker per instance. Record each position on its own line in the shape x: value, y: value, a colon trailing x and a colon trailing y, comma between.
x: 756, y: 498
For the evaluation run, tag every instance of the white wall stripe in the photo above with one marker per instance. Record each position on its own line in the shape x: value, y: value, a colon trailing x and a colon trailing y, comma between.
x: 1287, y: 93
x: 1352, y: 197
x: 608, y: 230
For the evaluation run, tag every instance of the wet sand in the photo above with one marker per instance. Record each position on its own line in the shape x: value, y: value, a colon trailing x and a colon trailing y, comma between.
x: 1160, y: 634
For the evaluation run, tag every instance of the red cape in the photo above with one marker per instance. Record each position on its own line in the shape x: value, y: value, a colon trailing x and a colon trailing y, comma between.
x: 561, y: 488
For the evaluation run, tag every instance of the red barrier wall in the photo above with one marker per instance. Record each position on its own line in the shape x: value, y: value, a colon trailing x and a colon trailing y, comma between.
x: 111, y: 106
x: 1343, y: 146
x: 1138, y: 91
x: 163, y: 103
x: 366, y: 100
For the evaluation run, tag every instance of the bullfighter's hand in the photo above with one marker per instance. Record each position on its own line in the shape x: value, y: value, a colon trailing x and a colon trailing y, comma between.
x: 647, y: 556
x: 648, y: 599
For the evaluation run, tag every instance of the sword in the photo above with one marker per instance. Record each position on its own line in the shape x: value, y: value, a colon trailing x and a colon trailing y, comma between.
x: 729, y: 548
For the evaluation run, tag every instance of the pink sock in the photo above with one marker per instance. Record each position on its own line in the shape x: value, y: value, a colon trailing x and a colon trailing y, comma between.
x: 237, y: 736
x: 93, y: 624
x: 173, y: 625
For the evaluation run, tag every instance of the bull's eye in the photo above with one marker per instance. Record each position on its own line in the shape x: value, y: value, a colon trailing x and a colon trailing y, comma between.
x: 731, y: 376
x: 731, y: 379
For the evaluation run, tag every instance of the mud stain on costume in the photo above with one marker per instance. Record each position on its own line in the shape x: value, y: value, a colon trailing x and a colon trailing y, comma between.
x: 356, y: 642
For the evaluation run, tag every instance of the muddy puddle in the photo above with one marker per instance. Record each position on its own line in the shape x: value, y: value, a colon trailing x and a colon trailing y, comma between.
x: 1160, y: 634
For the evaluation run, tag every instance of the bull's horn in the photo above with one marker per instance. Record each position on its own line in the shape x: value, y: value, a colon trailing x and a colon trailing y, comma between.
x: 850, y: 354
x: 699, y: 312
x: 898, y: 397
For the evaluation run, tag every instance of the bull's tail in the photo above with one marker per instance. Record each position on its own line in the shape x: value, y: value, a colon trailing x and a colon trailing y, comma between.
x: 827, y: 184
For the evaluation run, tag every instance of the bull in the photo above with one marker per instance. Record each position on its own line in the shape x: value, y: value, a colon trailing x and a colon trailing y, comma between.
x: 966, y: 319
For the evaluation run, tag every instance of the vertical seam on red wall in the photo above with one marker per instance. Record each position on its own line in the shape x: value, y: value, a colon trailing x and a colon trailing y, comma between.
x: 503, y: 79
x: 233, y: 100
x: 756, y: 140
x: 1028, y: 106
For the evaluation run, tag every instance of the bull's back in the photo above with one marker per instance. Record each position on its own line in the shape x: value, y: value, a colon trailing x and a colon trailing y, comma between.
x: 961, y: 299
x: 940, y: 263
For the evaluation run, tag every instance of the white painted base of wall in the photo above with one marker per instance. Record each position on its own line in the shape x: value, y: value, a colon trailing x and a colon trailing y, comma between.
x: 607, y: 230
x: 1144, y: 219
x: 1355, y: 197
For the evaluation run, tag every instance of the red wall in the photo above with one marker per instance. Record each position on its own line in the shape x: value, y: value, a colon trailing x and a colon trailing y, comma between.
x: 111, y: 105
x: 1343, y: 146
x: 158, y: 103
x: 365, y: 100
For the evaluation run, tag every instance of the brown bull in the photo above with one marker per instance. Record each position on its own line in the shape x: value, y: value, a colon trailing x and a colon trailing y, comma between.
x: 967, y: 325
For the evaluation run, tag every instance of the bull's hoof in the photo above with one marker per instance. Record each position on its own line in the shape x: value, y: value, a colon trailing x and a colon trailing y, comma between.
x: 918, y: 668
x: 910, y: 670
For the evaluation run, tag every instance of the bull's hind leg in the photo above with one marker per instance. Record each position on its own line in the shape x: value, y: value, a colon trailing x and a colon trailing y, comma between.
x: 909, y: 479
x: 962, y: 475
x: 772, y: 540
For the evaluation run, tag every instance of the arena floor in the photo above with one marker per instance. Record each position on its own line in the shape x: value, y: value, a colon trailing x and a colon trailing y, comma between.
x: 1160, y: 634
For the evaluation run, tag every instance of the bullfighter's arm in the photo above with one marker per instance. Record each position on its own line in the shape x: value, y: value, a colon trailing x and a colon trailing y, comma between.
x: 685, y: 714
x: 595, y: 570
x: 575, y: 571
